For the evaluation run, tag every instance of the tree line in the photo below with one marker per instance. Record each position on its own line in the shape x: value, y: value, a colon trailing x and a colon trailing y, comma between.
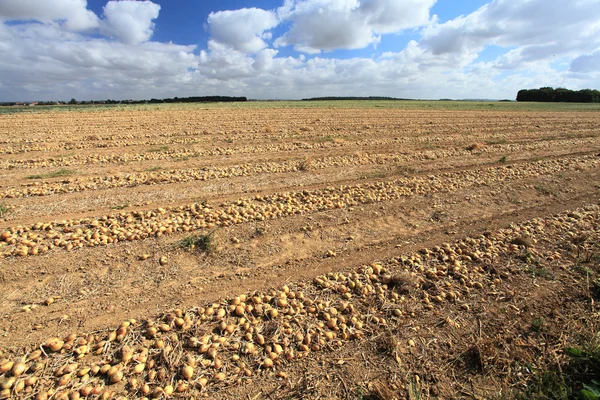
x: 195, y: 99
x: 559, y: 95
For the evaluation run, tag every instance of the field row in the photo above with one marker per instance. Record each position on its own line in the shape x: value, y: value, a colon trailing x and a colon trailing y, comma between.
x: 71, y: 185
x: 261, y: 335
x: 99, y: 133
x: 191, y: 153
x: 184, y: 153
x: 41, y: 237
x: 46, y: 127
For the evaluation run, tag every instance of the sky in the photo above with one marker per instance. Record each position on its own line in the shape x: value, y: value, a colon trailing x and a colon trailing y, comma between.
x: 293, y: 49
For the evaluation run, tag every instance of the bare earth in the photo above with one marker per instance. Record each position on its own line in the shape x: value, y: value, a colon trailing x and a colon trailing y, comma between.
x: 354, y: 253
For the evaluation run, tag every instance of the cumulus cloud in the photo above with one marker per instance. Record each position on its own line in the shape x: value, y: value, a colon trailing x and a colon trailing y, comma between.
x: 59, y: 57
x: 129, y: 21
x: 536, y: 29
x: 73, y: 14
x: 327, y: 25
x: 64, y: 65
x: 243, y: 30
x: 264, y: 60
x: 389, y: 16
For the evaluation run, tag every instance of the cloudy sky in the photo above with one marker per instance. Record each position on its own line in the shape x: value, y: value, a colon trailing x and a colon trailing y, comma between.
x: 290, y: 49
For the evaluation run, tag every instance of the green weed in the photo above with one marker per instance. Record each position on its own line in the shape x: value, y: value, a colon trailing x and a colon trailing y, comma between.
x: 204, y: 243
x: 56, y: 174
x: 538, y: 324
x: 158, y: 149
x: 576, y: 378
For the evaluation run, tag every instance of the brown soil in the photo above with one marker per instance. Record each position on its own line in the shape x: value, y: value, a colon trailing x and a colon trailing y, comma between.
x: 477, y: 173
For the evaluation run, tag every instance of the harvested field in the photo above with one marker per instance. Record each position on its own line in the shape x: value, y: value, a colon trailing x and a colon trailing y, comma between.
x: 375, y: 250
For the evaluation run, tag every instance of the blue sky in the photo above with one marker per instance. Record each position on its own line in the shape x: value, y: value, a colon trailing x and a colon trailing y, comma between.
x: 99, y: 49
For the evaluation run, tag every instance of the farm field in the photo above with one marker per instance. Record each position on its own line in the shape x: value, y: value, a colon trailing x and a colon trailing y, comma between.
x: 337, y: 250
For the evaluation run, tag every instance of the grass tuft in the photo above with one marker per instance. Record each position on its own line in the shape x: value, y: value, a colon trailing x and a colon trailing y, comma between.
x: 327, y: 138
x: 578, y: 378
x: 3, y: 210
x: 204, y: 243
x: 56, y: 174
x: 158, y: 149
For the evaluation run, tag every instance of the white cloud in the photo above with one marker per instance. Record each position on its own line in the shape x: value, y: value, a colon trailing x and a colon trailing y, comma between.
x: 50, y: 59
x: 129, y: 21
x: 62, y: 65
x: 244, y: 30
x: 537, y: 29
x: 327, y: 25
x: 72, y: 13
x: 264, y: 60
x: 389, y: 16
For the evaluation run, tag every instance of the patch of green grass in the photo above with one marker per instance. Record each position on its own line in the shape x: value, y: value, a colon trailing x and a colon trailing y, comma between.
x: 120, y: 207
x: 533, y: 268
x: 158, y: 149
x: 327, y: 138
x: 537, y: 271
x: 545, y: 385
x: 583, y: 270
x: 153, y: 169
x: 502, y: 160
x: 204, y: 243
x: 260, y: 230
x: 538, y: 324
x: 56, y: 174
x: 3, y: 210
x: 591, y: 391
x: 528, y: 258
x: 578, y: 376
x: 360, y: 393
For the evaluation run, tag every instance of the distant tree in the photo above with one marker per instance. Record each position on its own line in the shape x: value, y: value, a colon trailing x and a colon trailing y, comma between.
x: 73, y: 101
x: 548, y: 94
